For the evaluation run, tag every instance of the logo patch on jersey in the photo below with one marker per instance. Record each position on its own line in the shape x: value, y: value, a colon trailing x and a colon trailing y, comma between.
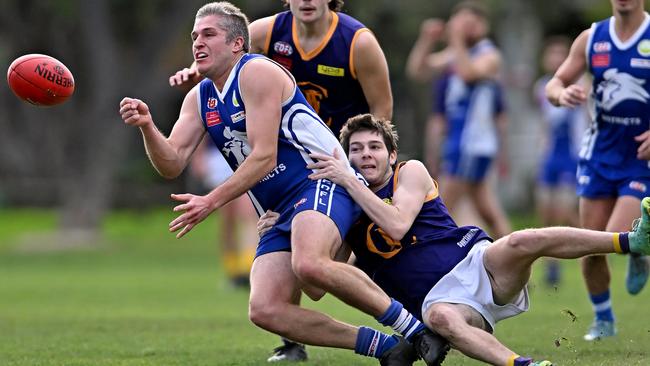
x: 212, y: 103
x: 638, y: 186
x: 644, y: 48
x: 601, y: 60
x: 300, y: 202
x: 641, y: 63
x: 618, y: 87
x: 283, y: 48
x: 238, y: 116
x: 235, y: 102
x: 286, y: 62
x: 212, y: 118
x: 313, y: 93
x: 330, y: 70
x: 388, y: 201
x: 602, y: 47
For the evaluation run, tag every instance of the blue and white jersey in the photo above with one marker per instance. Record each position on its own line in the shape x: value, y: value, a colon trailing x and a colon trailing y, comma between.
x: 470, y: 110
x: 565, y: 125
x: 301, y: 132
x: 621, y: 95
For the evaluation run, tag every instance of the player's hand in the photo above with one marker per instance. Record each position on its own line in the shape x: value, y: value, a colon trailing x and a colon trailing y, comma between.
x: 135, y: 112
x: 432, y: 29
x: 333, y: 168
x: 266, y: 222
x: 186, y: 78
x: 572, y: 96
x: 196, y: 209
x: 643, y: 152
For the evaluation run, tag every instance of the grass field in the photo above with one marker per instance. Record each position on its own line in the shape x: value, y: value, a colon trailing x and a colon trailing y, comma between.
x: 140, y: 297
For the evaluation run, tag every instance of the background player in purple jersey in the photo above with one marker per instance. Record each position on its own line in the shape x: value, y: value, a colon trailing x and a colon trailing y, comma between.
x: 613, y: 171
x: 556, y: 200
x: 475, y: 134
x: 338, y: 64
x: 463, y: 282
x: 252, y: 109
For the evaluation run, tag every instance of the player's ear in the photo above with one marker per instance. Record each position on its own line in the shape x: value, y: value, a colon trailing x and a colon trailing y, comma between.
x: 392, y: 157
x: 238, y: 44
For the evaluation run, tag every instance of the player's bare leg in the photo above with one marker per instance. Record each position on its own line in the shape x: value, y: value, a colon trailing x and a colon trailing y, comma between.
x: 489, y: 208
x: 452, y: 190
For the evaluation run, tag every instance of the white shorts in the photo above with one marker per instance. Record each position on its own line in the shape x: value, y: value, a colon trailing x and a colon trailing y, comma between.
x: 218, y: 169
x: 468, y: 283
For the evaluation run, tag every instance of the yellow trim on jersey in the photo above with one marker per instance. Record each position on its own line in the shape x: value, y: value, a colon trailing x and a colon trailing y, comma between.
x: 353, y: 72
x: 269, y: 32
x: 306, y: 56
x: 617, y: 243
x: 431, y: 196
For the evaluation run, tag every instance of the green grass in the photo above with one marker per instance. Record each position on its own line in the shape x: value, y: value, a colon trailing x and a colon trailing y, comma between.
x: 140, y: 297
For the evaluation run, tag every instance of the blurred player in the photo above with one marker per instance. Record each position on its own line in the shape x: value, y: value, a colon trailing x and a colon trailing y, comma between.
x: 613, y: 174
x: 556, y: 199
x: 462, y: 283
x: 237, y: 234
x: 254, y: 112
x: 468, y: 107
x: 339, y: 67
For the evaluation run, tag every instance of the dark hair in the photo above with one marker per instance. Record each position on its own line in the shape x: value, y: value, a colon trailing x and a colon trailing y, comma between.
x: 367, y: 122
x: 334, y: 5
x: 559, y: 40
x: 233, y: 20
x: 475, y: 7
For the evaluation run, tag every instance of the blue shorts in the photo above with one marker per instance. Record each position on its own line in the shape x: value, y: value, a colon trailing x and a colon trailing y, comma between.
x: 594, y: 185
x: 469, y: 168
x: 323, y: 196
x: 557, y: 172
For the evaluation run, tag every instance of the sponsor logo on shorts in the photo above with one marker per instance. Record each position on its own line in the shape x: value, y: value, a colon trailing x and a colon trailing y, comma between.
x: 600, y: 60
x: 212, y: 103
x: 283, y: 48
x: 238, y: 116
x: 644, y: 48
x: 300, y: 202
x: 212, y: 118
x: 602, y: 47
x: 584, y: 180
x: 641, y: 63
x: 330, y: 70
x: 638, y: 186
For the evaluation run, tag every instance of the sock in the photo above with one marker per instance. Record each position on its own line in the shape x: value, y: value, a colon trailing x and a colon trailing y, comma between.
x: 602, y: 306
x: 230, y: 263
x: 373, y: 343
x: 400, y: 320
x: 621, y: 243
x: 520, y: 361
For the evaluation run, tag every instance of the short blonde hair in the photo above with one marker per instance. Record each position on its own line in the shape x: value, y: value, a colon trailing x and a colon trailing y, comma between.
x: 233, y: 20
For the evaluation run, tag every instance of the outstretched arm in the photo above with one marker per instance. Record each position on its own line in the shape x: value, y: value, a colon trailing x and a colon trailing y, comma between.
x: 422, y: 64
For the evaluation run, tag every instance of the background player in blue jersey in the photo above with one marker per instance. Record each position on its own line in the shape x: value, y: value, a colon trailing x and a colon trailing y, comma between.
x: 613, y: 171
x: 557, y: 203
x: 470, y: 105
x: 338, y: 64
x: 412, y: 248
x: 254, y: 112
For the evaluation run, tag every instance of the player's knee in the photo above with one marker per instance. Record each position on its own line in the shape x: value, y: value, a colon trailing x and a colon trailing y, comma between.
x: 308, y: 270
x: 266, y: 316
x: 526, y: 242
x: 440, y: 318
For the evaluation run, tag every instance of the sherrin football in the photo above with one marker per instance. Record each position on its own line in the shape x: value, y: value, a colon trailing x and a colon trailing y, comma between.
x: 40, y: 79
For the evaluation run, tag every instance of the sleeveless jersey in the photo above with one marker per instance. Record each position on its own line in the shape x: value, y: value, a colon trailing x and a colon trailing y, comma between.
x: 301, y: 133
x: 325, y: 75
x: 470, y: 111
x: 620, y: 92
x: 407, y: 269
x: 565, y: 125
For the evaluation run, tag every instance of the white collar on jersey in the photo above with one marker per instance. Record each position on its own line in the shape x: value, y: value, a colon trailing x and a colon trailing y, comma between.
x: 632, y: 40
x: 233, y: 72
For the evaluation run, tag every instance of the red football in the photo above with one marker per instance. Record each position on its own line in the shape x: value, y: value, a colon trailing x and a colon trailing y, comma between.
x: 40, y: 79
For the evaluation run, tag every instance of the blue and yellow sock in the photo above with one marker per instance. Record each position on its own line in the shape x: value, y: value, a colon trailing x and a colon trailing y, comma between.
x: 400, y: 320
x: 373, y: 343
x: 516, y: 360
x: 602, y: 306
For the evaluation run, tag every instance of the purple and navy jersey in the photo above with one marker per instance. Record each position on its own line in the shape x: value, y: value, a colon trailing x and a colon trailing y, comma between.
x: 470, y: 110
x: 301, y: 132
x: 407, y: 269
x: 621, y: 95
x: 325, y: 75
